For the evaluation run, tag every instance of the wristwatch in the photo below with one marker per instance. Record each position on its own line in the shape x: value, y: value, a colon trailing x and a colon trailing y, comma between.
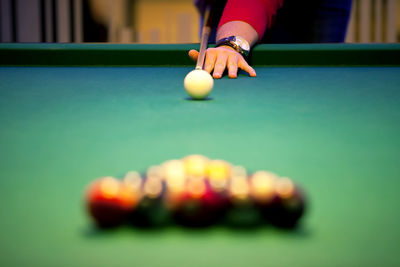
x: 236, y: 42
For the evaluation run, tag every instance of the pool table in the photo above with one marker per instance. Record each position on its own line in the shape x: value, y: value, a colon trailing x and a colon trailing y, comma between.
x: 325, y: 115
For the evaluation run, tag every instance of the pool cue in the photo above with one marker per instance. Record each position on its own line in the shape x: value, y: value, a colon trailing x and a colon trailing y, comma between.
x: 206, y: 30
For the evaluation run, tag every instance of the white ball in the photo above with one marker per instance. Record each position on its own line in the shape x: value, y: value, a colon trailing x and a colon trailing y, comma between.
x: 198, y: 84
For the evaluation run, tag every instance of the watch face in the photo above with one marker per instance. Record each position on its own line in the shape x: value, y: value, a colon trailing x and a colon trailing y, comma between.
x: 242, y: 43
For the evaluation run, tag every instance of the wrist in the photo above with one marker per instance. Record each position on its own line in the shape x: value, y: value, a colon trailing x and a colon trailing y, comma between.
x: 228, y: 47
x: 236, y: 43
x: 238, y: 28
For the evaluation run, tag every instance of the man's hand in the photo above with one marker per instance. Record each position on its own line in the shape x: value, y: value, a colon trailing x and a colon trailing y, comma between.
x: 222, y: 57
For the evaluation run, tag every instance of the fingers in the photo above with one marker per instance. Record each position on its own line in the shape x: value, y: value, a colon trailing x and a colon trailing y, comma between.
x: 193, y: 54
x: 246, y: 67
x: 218, y: 59
x: 220, y: 65
x: 211, y: 57
x: 232, y: 66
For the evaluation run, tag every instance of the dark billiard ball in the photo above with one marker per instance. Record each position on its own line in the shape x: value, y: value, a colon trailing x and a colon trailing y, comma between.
x: 242, y: 211
x: 109, y: 202
x: 288, y: 206
x: 151, y: 210
x: 196, y: 205
x: 262, y: 190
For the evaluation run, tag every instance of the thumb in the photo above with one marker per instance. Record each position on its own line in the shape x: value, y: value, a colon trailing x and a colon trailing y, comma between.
x: 193, y: 54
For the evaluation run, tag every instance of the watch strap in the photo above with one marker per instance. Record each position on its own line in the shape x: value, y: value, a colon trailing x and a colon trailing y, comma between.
x: 231, y: 42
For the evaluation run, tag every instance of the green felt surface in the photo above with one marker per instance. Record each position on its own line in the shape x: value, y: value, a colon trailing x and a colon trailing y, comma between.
x: 333, y: 130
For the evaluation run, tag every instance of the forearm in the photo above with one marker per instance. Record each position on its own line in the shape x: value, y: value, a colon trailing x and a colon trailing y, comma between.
x: 238, y: 28
x: 252, y: 16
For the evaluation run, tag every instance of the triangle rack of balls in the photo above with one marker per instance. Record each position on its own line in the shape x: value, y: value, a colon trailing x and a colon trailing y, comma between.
x: 195, y: 192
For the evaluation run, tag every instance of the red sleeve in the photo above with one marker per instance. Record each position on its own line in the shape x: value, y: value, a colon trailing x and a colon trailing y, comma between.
x: 259, y: 14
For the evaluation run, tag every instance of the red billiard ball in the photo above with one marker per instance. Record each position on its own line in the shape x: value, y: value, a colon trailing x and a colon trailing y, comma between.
x: 109, y: 201
x: 196, y: 205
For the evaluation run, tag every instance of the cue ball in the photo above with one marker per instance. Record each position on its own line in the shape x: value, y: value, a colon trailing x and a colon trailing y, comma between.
x: 198, y: 84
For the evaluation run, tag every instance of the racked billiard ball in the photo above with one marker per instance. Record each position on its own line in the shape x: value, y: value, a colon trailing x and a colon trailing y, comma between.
x: 109, y: 202
x: 195, y: 165
x: 151, y: 210
x: 262, y: 190
x: 196, y: 206
x: 173, y: 174
x: 242, y: 212
x: 218, y: 174
x: 289, y: 204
